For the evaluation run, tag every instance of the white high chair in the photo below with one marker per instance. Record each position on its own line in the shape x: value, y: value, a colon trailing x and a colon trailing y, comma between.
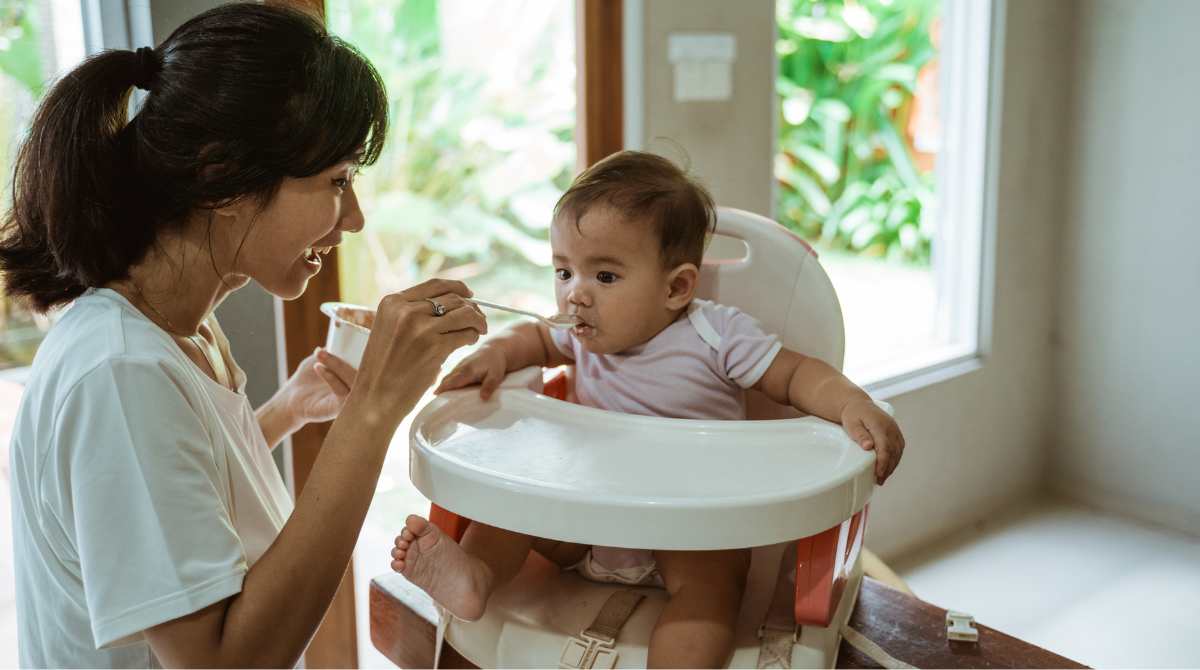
x: 794, y: 488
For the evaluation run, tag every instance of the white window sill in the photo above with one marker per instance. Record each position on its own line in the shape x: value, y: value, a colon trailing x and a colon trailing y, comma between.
x: 929, y: 367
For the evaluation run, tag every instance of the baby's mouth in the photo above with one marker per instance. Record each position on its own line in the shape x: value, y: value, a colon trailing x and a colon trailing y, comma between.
x: 583, y: 327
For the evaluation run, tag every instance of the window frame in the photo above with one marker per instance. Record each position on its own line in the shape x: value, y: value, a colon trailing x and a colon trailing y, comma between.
x: 972, y: 68
x: 599, y: 132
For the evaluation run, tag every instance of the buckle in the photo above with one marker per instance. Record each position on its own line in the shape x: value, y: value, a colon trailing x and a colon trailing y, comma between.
x: 959, y: 626
x: 766, y: 629
x: 588, y: 650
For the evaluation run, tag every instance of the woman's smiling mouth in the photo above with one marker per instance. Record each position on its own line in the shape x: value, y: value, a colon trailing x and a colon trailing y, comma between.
x: 312, y: 256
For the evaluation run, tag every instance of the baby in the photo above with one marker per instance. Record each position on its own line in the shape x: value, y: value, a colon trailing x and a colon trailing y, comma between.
x: 627, y: 238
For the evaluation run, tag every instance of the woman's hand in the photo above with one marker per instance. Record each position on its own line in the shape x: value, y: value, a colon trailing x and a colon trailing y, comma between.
x: 319, y: 387
x: 485, y: 367
x: 873, y: 428
x: 408, y: 346
x: 314, y: 393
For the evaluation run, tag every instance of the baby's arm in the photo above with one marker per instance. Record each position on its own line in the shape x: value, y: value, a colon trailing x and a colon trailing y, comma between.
x: 813, y: 387
x: 518, y: 347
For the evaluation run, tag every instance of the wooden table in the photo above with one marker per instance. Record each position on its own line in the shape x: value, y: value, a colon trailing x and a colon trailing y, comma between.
x: 911, y: 630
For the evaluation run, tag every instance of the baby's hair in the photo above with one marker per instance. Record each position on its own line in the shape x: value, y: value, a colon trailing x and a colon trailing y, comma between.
x: 646, y: 188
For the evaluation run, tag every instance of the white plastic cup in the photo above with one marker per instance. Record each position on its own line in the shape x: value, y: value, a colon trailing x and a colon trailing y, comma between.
x: 346, y: 339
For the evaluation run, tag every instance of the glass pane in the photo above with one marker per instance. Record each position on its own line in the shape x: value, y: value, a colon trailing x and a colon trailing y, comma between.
x: 481, y: 145
x: 39, y: 40
x: 859, y: 135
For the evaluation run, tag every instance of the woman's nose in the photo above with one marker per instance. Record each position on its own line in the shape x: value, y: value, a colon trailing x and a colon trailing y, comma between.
x: 352, y: 219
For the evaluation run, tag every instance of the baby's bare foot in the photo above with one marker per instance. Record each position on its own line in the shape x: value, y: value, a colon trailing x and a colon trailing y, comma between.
x: 455, y: 579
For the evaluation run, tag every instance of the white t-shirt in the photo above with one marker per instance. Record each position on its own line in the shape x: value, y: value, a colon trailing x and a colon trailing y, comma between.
x: 142, y: 489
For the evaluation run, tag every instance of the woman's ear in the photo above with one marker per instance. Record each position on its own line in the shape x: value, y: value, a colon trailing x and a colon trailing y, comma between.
x: 681, y: 285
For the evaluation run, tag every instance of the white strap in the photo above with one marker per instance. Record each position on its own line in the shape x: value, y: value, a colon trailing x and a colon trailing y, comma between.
x: 778, y: 633
x: 440, y: 637
x: 872, y: 650
x: 775, y: 648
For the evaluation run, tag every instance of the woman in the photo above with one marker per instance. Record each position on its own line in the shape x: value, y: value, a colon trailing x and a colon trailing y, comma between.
x: 150, y: 526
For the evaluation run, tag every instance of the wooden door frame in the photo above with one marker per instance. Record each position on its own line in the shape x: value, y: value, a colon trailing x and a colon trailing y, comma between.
x: 599, y: 132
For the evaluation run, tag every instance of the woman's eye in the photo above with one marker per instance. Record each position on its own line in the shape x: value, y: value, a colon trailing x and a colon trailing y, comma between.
x: 563, y: 274
x: 342, y: 182
x: 606, y: 277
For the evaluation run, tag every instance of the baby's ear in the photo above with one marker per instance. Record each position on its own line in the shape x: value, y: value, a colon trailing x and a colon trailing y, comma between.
x: 681, y: 285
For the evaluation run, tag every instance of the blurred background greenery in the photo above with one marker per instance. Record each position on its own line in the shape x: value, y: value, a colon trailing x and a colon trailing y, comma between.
x: 482, y: 99
x: 22, y: 78
x: 482, y: 102
x: 857, y: 92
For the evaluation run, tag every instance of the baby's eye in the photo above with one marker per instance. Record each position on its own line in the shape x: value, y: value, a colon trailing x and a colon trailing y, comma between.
x: 606, y: 277
x: 563, y: 274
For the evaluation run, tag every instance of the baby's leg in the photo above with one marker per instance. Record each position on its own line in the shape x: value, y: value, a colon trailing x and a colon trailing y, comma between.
x: 695, y: 629
x: 460, y: 578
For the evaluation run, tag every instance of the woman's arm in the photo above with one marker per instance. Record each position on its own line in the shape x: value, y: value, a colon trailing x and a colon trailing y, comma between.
x: 276, y: 421
x: 814, y: 387
x: 286, y: 593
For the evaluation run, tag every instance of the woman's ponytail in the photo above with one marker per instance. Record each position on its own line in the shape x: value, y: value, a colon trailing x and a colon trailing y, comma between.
x: 241, y: 97
x: 69, y: 198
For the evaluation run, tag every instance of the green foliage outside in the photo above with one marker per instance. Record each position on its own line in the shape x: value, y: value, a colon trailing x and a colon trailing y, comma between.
x: 21, y: 82
x: 471, y: 170
x: 847, y: 77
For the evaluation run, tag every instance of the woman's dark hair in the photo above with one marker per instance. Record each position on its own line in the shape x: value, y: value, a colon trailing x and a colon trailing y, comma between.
x: 648, y: 189
x: 240, y: 97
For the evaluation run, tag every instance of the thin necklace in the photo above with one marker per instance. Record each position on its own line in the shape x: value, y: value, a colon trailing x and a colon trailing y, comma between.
x: 218, y: 366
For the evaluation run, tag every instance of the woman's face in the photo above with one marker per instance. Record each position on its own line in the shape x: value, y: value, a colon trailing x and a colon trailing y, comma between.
x: 284, y: 242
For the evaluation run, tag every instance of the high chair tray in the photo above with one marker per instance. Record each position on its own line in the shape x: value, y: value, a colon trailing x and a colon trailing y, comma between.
x: 549, y: 468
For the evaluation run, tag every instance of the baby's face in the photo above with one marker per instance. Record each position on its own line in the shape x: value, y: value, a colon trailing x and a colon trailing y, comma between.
x: 609, y: 273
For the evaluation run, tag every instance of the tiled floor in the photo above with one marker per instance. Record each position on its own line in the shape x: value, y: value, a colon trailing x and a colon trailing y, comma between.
x: 1102, y: 590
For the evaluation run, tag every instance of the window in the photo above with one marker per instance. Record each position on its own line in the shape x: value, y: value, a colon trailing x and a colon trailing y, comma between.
x: 481, y: 145
x: 883, y: 113
x: 39, y: 40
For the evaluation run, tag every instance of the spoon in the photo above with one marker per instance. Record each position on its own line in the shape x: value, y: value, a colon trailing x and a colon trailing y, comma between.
x: 559, y: 321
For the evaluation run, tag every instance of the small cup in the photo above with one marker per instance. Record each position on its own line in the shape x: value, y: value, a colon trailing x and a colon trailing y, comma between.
x: 349, y: 329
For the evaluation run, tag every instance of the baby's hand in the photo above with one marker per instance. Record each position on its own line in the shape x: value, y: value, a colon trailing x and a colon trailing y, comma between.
x: 873, y: 428
x: 485, y: 367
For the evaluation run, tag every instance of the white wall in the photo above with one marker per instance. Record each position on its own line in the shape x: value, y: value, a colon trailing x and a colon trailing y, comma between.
x: 1128, y: 358
x: 977, y: 442
x: 729, y: 145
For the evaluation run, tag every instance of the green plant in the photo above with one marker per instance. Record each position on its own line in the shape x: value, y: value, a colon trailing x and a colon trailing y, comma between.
x: 848, y: 74
x: 21, y: 81
x: 471, y: 171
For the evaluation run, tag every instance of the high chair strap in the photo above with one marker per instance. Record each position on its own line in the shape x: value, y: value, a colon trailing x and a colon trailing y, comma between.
x: 873, y: 650
x: 595, y: 646
x: 439, y: 638
x: 778, y: 633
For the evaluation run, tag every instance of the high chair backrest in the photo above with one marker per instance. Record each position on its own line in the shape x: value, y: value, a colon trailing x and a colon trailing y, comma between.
x: 764, y: 269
